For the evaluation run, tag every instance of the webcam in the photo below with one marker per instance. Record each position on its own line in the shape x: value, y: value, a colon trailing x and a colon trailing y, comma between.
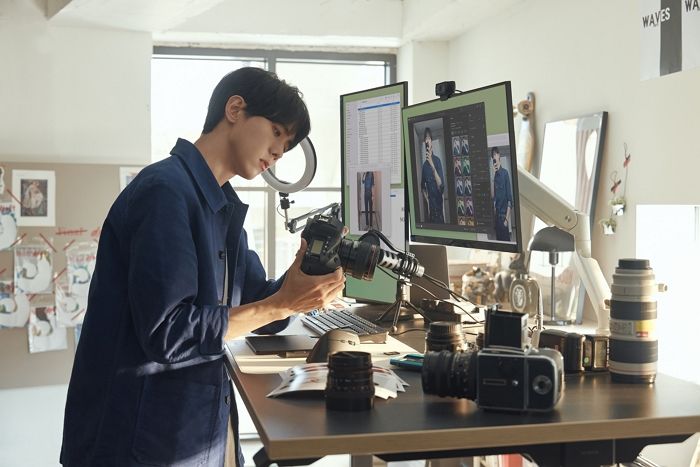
x: 445, y: 90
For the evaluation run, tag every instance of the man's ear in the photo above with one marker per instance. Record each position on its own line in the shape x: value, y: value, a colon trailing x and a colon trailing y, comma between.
x: 234, y: 108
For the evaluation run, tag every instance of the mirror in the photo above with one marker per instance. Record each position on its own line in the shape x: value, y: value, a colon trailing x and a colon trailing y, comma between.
x: 570, y: 165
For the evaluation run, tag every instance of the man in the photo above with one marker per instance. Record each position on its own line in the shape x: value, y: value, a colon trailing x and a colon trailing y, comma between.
x: 432, y: 181
x: 502, y: 196
x: 368, y: 183
x: 174, y: 279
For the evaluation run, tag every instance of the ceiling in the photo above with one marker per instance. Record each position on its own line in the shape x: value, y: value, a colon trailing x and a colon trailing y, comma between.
x: 286, y: 23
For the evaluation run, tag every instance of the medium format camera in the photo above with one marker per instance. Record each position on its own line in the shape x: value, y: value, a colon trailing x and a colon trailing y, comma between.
x: 497, y: 378
x: 327, y: 250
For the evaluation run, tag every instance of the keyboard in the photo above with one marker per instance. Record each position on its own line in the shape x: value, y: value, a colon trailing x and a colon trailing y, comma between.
x: 323, y: 322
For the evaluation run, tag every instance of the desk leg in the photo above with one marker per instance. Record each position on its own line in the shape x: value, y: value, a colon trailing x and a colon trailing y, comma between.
x: 361, y: 460
x: 261, y: 459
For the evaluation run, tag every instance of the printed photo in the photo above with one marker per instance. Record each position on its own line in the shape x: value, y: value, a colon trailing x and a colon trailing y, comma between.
x: 34, y: 192
x: 44, y: 333
x: 8, y: 225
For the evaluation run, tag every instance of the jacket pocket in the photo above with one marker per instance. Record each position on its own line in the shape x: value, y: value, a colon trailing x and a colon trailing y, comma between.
x: 176, y: 421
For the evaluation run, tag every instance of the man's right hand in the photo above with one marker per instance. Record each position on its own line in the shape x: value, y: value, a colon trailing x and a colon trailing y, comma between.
x: 301, y: 292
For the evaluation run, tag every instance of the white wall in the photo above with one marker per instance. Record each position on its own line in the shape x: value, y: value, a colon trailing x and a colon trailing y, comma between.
x: 582, y: 57
x: 74, y: 95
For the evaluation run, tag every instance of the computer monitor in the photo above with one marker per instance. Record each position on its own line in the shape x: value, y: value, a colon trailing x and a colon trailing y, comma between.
x: 462, y: 170
x: 372, y: 176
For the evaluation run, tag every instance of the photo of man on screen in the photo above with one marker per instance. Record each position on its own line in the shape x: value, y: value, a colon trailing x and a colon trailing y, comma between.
x: 502, y: 194
x: 432, y: 180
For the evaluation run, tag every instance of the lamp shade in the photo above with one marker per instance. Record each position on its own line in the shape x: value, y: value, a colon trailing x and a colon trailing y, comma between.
x: 553, y: 240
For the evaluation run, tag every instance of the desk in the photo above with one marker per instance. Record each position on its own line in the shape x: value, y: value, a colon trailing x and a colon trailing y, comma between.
x: 596, y: 422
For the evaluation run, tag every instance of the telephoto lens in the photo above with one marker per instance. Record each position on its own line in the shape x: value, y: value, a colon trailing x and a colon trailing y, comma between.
x: 349, y: 386
x: 451, y: 374
x: 633, y: 340
x: 443, y: 335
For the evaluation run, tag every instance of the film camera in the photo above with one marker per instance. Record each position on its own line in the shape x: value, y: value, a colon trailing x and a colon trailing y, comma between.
x: 327, y: 250
x: 497, y: 378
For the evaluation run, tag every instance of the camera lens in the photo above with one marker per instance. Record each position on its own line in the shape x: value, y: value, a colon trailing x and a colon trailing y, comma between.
x: 448, y: 373
x: 443, y: 335
x: 359, y: 259
x: 633, y: 342
x: 349, y: 386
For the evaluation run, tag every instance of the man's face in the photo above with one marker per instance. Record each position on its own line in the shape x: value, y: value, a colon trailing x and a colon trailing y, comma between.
x: 428, y: 144
x: 256, y: 144
x: 496, y: 160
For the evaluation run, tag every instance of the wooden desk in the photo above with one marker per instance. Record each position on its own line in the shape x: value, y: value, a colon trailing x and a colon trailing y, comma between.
x: 596, y: 422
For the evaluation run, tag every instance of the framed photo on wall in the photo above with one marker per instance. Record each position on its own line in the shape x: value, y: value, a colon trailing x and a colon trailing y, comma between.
x: 35, y: 197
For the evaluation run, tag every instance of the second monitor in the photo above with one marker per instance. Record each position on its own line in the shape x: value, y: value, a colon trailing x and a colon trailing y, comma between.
x: 462, y: 170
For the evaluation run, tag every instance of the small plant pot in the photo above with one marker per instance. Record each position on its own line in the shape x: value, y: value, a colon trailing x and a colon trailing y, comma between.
x: 618, y: 209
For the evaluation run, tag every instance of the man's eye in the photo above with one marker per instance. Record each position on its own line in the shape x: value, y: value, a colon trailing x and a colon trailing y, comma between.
x: 276, y: 131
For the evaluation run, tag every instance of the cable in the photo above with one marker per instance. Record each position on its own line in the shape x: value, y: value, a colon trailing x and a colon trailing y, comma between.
x: 413, y: 284
x: 409, y: 330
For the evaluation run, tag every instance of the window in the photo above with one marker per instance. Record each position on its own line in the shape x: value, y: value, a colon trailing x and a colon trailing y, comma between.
x: 669, y: 237
x: 182, y: 80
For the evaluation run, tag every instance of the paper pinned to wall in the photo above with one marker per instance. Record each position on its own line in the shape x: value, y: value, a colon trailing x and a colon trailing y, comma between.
x: 669, y: 36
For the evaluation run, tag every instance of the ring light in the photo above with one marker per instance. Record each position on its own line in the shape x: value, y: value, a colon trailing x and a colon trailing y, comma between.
x: 309, y: 172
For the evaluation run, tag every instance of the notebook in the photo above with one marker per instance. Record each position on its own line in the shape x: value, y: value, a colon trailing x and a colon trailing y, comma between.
x: 284, y: 346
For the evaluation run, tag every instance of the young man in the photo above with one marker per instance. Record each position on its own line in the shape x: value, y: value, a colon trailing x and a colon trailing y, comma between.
x: 502, y: 197
x: 174, y: 279
x: 432, y: 181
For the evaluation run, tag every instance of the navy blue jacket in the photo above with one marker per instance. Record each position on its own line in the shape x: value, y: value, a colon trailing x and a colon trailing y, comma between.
x: 149, y: 386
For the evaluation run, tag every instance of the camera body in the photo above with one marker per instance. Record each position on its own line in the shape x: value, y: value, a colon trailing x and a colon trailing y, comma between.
x: 497, y: 378
x: 323, y: 235
x: 519, y: 379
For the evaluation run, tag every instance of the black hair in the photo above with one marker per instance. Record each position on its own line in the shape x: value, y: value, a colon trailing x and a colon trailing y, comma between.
x: 266, y: 96
x: 494, y: 150
x: 426, y: 133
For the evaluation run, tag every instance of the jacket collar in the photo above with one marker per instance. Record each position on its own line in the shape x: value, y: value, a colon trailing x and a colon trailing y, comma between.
x: 217, y: 196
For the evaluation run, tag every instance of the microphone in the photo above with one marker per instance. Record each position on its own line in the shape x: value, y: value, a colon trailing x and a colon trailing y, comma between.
x: 404, y: 264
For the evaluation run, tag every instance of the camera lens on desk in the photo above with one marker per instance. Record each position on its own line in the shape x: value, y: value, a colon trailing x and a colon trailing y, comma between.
x: 448, y: 373
x: 349, y: 386
x: 443, y: 335
x: 633, y: 341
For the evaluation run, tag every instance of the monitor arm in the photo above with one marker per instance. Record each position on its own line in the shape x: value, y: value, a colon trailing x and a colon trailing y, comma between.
x: 554, y: 210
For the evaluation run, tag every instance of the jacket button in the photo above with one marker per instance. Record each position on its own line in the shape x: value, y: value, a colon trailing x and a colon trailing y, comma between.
x: 221, y: 254
x: 227, y: 400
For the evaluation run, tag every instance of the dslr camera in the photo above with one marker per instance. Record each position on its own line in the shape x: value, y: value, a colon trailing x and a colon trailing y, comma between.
x: 497, y: 378
x: 326, y: 250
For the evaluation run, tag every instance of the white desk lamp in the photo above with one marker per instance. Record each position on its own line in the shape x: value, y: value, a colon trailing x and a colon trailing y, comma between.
x: 554, y: 210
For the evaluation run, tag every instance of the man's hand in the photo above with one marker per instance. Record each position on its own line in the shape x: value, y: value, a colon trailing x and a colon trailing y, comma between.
x: 301, y: 292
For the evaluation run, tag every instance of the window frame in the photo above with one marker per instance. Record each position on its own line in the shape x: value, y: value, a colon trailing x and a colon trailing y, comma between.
x: 270, y: 57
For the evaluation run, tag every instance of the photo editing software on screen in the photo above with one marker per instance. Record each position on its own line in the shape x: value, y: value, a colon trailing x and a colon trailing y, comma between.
x: 372, y: 165
x: 462, y: 170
